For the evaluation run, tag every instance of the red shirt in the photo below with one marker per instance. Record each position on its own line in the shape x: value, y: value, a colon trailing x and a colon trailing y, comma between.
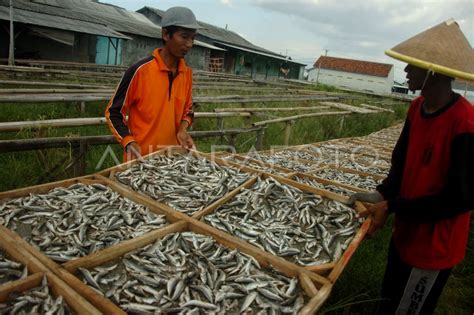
x: 430, y: 186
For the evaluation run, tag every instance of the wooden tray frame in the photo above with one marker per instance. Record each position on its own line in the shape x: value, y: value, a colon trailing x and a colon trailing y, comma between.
x: 325, y: 181
x: 316, y: 287
x: 317, y: 281
x: 40, y: 265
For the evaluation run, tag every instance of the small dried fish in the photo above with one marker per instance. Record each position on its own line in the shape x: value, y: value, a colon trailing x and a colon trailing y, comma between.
x: 189, y: 272
x: 184, y: 182
x: 280, y: 219
x: 332, y: 188
x: 72, y: 222
x: 364, y: 182
x: 11, y: 270
x: 35, y: 301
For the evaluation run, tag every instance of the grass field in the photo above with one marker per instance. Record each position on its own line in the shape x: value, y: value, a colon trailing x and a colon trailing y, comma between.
x: 357, y: 290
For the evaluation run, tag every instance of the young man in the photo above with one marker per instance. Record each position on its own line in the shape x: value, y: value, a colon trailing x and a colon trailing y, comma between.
x: 430, y: 186
x: 156, y: 92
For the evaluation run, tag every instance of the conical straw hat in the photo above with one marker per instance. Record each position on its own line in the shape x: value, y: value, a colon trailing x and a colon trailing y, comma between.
x: 443, y: 49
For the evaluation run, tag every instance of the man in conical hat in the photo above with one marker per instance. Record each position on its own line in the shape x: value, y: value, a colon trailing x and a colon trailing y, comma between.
x: 430, y: 186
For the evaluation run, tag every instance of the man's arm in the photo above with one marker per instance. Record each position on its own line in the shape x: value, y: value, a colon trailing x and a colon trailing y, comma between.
x: 118, y: 107
x: 184, y: 139
x: 456, y: 197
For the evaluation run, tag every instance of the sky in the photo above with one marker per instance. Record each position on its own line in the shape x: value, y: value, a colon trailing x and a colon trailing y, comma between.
x: 307, y: 29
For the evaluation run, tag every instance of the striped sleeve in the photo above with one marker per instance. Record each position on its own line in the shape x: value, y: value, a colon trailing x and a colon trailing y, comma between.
x: 117, y: 109
x: 188, y: 114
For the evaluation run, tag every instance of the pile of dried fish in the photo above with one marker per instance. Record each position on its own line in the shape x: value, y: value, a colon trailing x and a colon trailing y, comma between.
x: 371, y: 161
x: 333, y: 155
x: 365, y: 169
x: 252, y: 164
x: 364, y: 182
x: 291, y: 164
x: 299, y: 154
x: 11, y: 270
x: 184, y: 182
x: 35, y: 301
x: 314, y: 183
x: 190, y: 273
x: 287, y: 222
x: 68, y: 223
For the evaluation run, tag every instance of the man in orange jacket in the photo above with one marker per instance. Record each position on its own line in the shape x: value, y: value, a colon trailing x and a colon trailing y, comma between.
x: 156, y: 93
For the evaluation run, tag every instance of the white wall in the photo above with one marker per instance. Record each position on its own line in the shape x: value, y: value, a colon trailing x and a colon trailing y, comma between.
x: 353, y: 81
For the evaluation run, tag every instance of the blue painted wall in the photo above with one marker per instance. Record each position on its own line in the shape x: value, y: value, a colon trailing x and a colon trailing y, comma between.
x: 108, y: 51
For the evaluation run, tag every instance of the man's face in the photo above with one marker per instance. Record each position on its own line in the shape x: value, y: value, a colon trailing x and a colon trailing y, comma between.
x: 416, y: 76
x: 181, y: 42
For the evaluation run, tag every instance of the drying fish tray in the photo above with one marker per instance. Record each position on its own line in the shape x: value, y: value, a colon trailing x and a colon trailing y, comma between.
x: 23, y: 253
x: 290, y: 164
x: 54, y: 287
x: 186, y: 181
x: 255, y: 166
x: 331, y: 269
x: 316, y: 287
x: 171, y: 152
x: 90, y: 189
x: 325, y: 184
x: 347, y: 169
x: 36, y: 261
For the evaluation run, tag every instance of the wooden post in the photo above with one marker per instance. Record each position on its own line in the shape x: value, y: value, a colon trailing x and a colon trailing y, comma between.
x: 232, y: 140
x: 11, y: 53
x: 79, y: 154
x: 247, y: 120
x: 341, y: 124
x: 220, y: 126
x: 83, y: 107
x: 259, y: 140
x: 288, y: 126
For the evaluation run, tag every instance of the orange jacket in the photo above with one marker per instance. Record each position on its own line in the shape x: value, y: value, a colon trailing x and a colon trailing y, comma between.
x: 154, y: 101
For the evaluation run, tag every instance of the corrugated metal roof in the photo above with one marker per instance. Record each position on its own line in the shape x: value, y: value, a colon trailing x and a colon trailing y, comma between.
x: 33, y: 16
x: 75, y: 13
x: 84, y: 16
x: 119, y: 19
x: 221, y: 35
x: 259, y: 53
x: 206, y: 45
x: 354, y: 66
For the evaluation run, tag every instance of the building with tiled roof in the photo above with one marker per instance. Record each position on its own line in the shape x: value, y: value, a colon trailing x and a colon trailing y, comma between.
x: 353, y: 74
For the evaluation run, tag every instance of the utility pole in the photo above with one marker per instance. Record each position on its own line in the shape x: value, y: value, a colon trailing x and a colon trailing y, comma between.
x: 319, y: 67
x: 11, y: 54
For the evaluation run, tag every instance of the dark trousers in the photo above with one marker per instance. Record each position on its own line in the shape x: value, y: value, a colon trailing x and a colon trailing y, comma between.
x: 409, y: 290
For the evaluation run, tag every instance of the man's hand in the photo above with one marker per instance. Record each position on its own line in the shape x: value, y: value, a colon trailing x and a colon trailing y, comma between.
x: 379, y: 214
x: 133, y: 151
x: 184, y: 139
x: 371, y: 197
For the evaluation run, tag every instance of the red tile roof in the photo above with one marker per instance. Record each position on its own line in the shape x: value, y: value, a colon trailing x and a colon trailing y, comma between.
x: 354, y: 66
